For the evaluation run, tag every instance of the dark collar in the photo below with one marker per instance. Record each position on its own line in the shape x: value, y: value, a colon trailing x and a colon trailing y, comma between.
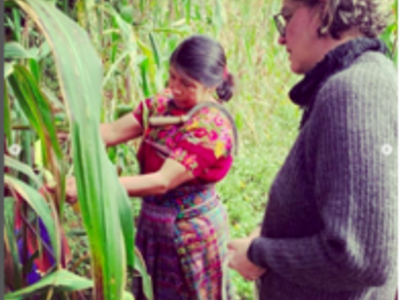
x: 304, y: 92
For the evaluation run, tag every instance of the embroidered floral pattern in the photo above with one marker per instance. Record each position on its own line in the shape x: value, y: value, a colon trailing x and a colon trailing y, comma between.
x: 198, y: 143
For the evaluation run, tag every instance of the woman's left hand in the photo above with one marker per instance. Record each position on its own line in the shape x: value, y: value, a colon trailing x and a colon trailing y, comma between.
x: 240, y: 262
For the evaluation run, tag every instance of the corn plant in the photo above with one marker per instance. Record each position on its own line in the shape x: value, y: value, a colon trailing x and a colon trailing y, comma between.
x: 103, y: 202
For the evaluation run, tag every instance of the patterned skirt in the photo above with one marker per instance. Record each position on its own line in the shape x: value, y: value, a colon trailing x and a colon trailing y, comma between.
x: 183, y: 243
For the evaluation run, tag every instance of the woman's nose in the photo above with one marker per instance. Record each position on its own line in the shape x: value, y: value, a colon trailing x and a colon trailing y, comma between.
x: 172, y: 84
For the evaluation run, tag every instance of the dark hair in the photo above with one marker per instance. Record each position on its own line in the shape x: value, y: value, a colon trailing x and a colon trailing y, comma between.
x: 203, y: 59
x: 370, y: 17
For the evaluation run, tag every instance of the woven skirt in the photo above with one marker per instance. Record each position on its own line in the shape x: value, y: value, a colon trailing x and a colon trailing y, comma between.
x: 185, y: 251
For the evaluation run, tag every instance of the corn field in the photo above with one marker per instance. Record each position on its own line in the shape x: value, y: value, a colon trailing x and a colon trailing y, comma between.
x: 73, y: 64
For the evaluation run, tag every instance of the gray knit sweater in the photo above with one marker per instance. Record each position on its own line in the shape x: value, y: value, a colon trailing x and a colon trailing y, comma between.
x: 330, y: 228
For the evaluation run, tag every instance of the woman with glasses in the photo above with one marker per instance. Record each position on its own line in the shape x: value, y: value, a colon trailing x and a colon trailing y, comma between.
x: 329, y: 231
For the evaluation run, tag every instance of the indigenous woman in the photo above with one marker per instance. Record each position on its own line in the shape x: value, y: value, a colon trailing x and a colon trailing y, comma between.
x: 330, y: 227
x: 187, y: 147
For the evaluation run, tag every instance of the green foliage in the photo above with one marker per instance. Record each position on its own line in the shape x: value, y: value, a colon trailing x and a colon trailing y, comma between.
x: 390, y: 35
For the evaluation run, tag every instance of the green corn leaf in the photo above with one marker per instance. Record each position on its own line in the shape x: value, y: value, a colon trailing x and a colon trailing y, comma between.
x: 9, y: 4
x: 180, y: 31
x: 114, y: 67
x: 7, y: 115
x: 115, y: 41
x: 14, y: 50
x: 145, y: 83
x: 156, y: 53
x: 127, y: 13
x: 36, y: 109
x: 17, y: 24
x: 129, y: 42
x: 44, y: 51
x: 101, y: 197
x: 22, y: 168
x: 149, y: 63
x: 62, y: 280
x: 8, y: 69
x: 10, y: 244
x: 188, y: 7
x: 40, y: 206
x: 55, y: 102
x: 35, y: 69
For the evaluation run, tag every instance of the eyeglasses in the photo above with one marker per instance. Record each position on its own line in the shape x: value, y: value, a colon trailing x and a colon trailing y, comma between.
x: 280, y: 24
x: 283, y: 18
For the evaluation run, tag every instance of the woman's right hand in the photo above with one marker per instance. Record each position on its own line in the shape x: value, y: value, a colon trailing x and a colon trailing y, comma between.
x: 70, y: 190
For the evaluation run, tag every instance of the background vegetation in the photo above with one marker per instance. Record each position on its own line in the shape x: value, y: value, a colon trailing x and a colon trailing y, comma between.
x: 134, y: 40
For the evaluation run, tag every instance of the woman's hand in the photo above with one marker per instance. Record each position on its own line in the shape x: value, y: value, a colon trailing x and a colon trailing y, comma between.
x: 62, y: 136
x: 240, y: 262
x: 255, y: 233
x: 70, y: 190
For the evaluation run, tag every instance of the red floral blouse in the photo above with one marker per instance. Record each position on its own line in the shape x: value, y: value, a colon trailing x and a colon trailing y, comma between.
x: 203, y: 144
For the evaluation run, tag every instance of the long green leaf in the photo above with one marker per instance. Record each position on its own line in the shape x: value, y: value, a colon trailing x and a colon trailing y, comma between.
x: 36, y: 108
x: 99, y: 192
x: 38, y: 111
x: 11, y: 243
x: 14, y: 50
x: 23, y: 168
x: 8, y: 69
x: 39, y: 205
x: 62, y: 280
x: 7, y: 114
x: 156, y: 52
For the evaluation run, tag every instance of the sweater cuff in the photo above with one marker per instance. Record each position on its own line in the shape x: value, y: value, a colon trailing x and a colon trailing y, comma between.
x: 257, y: 252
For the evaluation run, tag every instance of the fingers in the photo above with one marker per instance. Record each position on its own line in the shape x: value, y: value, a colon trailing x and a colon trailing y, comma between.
x: 71, y: 200
x: 50, y: 188
x: 70, y: 190
x: 237, y: 253
x: 253, y: 275
x: 235, y: 244
x: 62, y: 136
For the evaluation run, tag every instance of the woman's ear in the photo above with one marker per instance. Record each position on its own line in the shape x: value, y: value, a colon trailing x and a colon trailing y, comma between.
x: 325, y: 18
x: 211, y: 90
x: 328, y: 9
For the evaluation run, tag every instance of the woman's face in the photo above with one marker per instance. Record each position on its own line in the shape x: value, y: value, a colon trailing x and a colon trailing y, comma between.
x: 301, y: 37
x: 186, y: 91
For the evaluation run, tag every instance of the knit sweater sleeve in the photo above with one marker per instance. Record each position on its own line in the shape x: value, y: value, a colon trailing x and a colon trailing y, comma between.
x: 355, y: 190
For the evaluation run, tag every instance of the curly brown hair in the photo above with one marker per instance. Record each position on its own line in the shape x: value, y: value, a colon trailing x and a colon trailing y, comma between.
x: 370, y: 17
